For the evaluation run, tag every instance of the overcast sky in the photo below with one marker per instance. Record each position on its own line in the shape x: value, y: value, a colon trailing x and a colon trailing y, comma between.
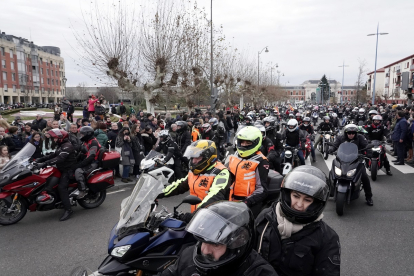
x: 307, y: 38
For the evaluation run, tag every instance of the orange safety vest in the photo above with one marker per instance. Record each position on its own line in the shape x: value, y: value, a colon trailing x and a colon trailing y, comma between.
x: 244, y: 171
x: 200, y: 184
x: 195, y: 135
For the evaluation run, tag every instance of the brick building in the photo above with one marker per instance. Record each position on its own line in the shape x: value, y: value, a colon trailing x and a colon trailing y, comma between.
x: 30, y: 73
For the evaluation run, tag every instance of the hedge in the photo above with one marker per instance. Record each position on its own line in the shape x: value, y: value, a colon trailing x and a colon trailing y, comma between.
x: 11, y: 111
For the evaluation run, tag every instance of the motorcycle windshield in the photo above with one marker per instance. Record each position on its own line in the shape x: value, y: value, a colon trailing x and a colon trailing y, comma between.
x: 136, y: 208
x: 152, y: 154
x: 347, y: 152
x: 19, y: 161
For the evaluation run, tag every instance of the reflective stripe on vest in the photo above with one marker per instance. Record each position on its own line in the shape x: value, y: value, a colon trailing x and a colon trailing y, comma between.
x: 244, y: 171
x: 200, y: 184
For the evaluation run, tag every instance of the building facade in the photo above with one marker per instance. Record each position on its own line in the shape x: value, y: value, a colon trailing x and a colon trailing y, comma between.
x: 390, y: 86
x: 30, y: 73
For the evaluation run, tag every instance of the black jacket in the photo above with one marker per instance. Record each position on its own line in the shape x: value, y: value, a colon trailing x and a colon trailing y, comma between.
x: 169, y: 154
x: 112, y: 138
x: 325, y: 127
x: 100, y: 110
x: 8, y: 141
x: 376, y: 132
x: 122, y: 109
x: 184, y: 140
x: 359, y: 140
x: 75, y: 141
x: 254, y: 265
x: 314, y: 250
x: 39, y: 125
x: 149, y: 141
x: 64, y: 157
x: 229, y: 122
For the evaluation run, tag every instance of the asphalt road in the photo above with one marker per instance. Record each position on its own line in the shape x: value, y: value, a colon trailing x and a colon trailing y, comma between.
x: 375, y: 240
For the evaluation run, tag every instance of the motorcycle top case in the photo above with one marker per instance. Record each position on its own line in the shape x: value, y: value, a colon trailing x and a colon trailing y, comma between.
x: 110, y: 159
x: 274, y: 182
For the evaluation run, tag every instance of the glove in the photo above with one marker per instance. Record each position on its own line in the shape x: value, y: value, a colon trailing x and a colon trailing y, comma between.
x: 186, y: 217
x: 248, y: 203
x: 40, y: 165
x: 161, y: 195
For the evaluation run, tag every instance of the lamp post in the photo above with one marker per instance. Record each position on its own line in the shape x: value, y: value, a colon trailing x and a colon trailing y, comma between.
x: 211, y: 59
x: 342, y: 84
x: 64, y: 85
x: 258, y: 65
x: 271, y: 73
x: 375, y: 70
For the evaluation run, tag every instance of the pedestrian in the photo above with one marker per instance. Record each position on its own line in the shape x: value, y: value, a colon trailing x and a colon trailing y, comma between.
x: 123, y: 142
x: 91, y: 107
x: 4, y: 156
x: 37, y: 141
x: 137, y: 147
x: 148, y: 139
x: 122, y: 108
x: 6, y: 140
x: 85, y: 112
x: 39, y: 123
x: 57, y: 112
x: 399, y: 137
x: 17, y: 140
x: 100, y: 134
x: 48, y: 146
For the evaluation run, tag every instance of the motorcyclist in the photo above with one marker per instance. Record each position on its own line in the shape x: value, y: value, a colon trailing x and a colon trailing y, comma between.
x: 228, y: 253
x: 208, y: 179
x: 350, y: 135
x: 64, y: 158
x: 248, y: 121
x: 250, y: 168
x: 195, y: 132
x: 326, y: 125
x: 361, y: 116
x: 90, y: 150
x: 377, y: 131
x: 295, y: 137
x: 307, y: 126
x: 371, y: 114
x: 335, y: 121
x: 268, y: 149
x: 299, y: 118
x: 171, y: 150
x: 220, y: 136
x: 291, y: 234
x: 184, y: 137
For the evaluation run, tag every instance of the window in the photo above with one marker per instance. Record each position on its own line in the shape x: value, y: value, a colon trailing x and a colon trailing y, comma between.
x: 5, y: 87
x: 43, y: 90
x: 14, y: 88
x: 52, y: 72
x: 41, y: 61
x: 352, y: 92
x: 47, y: 72
x: 51, y: 63
x: 2, y: 51
x: 291, y: 93
x: 4, y: 76
x: 12, y: 65
x: 41, y: 70
x: 48, y: 81
x: 53, y: 82
x: 53, y: 91
x: 11, y: 53
x: 3, y: 63
x: 41, y: 80
x: 37, y: 90
x: 13, y: 76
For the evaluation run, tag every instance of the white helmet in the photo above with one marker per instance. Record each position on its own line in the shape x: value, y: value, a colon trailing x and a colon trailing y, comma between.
x: 292, y: 125
x: 334, y: 115
x: 362, y: 110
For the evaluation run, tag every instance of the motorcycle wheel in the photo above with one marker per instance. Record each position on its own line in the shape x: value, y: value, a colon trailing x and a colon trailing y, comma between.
x: 325, y: 154
x: 18, y: 213
x: 374, y: 170
x: 340, y: 203
x: 92, y: 201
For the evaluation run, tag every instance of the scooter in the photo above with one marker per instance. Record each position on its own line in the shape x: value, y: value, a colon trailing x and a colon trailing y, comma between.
x: 23, y: 186
x: 345, y: 175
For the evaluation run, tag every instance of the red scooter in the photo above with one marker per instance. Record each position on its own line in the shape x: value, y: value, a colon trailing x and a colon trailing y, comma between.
x: 22, y: 186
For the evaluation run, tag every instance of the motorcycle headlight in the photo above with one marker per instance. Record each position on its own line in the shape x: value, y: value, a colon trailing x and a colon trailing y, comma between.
x: 288, y: 154
x: 120, y: 251
x: 338, y: 171
x: 327, y: 136
x: 377, y: 149
x: 351, y: 172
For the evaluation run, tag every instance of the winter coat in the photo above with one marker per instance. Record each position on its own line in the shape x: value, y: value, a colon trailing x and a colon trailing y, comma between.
x: 38, y: 152
x: 100, y: 110
x: 400, y: 130
x: 39, y: 125
x: 8, y: 141
x: 359, y: 140
x: 18, y: 142
x: 125, y: 155
x: 101, y: 137
x: 149, y: 141
x: 91, y: 107
x: 314, y: 250
x: 122, y: 109
x: 112, y: 138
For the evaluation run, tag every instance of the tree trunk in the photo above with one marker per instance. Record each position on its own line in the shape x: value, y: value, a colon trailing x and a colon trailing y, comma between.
x: 149, y: 105
x: 241, y: 101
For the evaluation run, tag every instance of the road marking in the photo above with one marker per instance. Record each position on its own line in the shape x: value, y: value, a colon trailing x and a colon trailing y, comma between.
x: 114, y: 192
x: 404, y: 169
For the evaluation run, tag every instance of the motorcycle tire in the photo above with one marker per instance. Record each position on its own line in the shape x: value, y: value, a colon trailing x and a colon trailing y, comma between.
x: 374, y: 170
x: 325, y: 154
x: 97, y: 199
x: 23, y: 210
x: 340, y: 203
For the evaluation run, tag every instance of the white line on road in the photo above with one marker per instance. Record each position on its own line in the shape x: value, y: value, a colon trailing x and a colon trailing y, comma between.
x: 114, y: 192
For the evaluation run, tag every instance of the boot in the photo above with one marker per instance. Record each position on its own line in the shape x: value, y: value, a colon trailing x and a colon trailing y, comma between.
x: 370, y: 202
x: 83, y: 190
x: 66, y: 215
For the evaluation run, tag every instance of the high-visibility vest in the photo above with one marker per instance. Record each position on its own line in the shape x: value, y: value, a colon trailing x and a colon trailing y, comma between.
x: 244, y: 171
x: 195, y: 135
x: 200, y: 184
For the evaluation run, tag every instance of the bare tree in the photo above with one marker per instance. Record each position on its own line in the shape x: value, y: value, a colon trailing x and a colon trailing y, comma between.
x: 361, y: 94
x: 109, y: 93
x: 81, y: 91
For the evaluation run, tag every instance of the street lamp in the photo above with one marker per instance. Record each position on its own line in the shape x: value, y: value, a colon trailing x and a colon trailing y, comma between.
x: 64, y: 85
x: 342, y: 84
x: 258, y: 65
x: 271, y: 72
x: 375, y: 70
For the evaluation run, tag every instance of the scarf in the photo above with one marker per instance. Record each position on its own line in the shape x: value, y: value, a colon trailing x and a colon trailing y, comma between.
x: 287, y: 228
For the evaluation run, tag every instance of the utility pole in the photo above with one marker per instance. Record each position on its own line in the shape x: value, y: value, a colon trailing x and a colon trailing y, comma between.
x: 342, y: 84
x: 213, y: 96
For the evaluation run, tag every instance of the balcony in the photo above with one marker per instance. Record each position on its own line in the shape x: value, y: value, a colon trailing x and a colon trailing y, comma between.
x: 387, y: 74
x: 398, y: 83
x: 398, y: 72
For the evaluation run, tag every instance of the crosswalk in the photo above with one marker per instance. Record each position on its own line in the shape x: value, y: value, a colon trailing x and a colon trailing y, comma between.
x: 406, y: 169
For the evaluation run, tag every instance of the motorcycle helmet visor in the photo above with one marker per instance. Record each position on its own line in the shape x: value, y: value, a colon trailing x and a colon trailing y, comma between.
x: 209, y: 227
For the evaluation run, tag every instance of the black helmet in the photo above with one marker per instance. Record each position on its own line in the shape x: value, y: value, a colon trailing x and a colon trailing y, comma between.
x: 224, y: 223
x: 181, y: 126
x: 310, y: 181
x: 86, y: 133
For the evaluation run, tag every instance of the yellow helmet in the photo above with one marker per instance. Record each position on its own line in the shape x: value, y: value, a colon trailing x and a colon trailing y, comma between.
x: 204, y: 149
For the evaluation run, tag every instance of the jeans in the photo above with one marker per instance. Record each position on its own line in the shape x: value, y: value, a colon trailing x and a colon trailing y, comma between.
x: 125, y: 171
x: 228, y: 136
x: 301, y: 158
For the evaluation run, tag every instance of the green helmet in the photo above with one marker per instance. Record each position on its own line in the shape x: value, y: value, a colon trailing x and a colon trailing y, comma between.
x: 252, y: 134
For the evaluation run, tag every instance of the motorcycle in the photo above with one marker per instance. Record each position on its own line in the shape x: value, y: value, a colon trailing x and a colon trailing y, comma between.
x: 308, y: 147
x: 375, y: 162
x: 327, y: 137
x: 345, y: 175
x: 153, y: 165
x: 315, y: 117
x: 145, y: 242
x: 290, y: 159
x: 23, y: 186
